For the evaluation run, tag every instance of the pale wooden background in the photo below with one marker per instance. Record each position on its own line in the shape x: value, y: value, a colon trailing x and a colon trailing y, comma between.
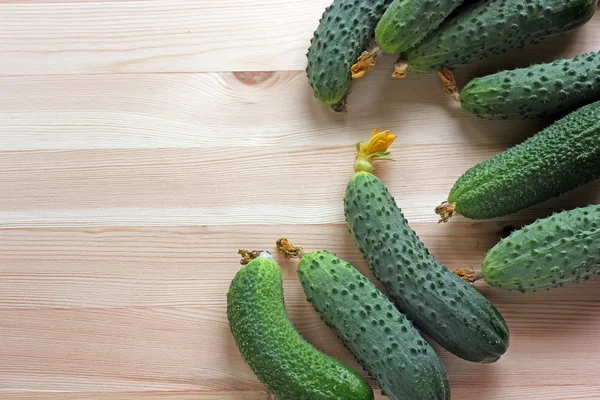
x: 137, y: 153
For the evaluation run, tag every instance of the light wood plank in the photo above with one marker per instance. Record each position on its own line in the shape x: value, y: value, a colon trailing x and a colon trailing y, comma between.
x: 146, y: 395
x: 562, y: 392
x: 155, y: 36
x: 98, y: 268
x: 224, y: 186
x: 187, y: 348
x: 191, y: 267
x: 148, y: 317
x: 177, y: 36
x: 122, y: 337
x: 224, y: 110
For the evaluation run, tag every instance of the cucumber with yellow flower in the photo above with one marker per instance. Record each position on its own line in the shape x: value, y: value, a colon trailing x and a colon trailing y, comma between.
x: 439, y: 302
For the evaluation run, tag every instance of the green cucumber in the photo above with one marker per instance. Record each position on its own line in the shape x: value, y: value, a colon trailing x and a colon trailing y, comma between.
x: 440, y: 303
x: 537, y: 91
x: 290, y: 367
x: 383, y: 340
x: 407, y: 22
x: 558, y: 159
x: 492, y: 27
x: 345, y: 31
x: 551, y: 252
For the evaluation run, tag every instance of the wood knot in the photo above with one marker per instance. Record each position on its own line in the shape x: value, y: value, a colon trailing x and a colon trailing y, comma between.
x: 253, y: 77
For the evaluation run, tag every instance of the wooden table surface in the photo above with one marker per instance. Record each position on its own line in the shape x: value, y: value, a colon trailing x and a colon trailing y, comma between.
x: 142, y: 142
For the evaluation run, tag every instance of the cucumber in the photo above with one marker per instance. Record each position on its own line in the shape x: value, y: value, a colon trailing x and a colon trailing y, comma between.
x: 290, y: 367
x: 440, y: 303
x: 551, y: 252
x: 558, y: 159
x: 537, y: 91
x: 345, y: 31
x: 383, y: 340
x: 492, y: 27
x: 407, y: 22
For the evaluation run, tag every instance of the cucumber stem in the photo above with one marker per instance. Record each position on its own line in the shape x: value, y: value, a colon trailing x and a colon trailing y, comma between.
x: 445, y: 210
x: 468, y: 275
x: 400, y: 69
x: 362, y: 164
x: 341, y: 106
x: 365, y: 62
x: 249, y: 255
x: 289, y: 249
x: 449, y: 83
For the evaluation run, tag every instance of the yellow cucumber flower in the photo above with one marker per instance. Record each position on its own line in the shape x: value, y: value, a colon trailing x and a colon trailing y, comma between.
x: 375, y: 149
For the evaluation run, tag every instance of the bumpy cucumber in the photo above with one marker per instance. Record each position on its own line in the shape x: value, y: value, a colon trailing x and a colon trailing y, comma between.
x: 559, y: 158
x: 537, y: 91
x: 345, y: 31
x: 407, y: 22
x: 440, y: 303
x: 494, y: 26
x: 383, y: 340
x: 549, y: 253
x: 289, y: 366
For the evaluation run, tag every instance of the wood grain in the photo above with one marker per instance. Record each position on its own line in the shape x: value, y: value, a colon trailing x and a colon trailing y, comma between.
x: 111, y: 187
x: 142, y: 142
x: 91, y: 37
x: 224, y: 110
x: 143, y: 309
x: 179, y: 266
x: 155, y: 36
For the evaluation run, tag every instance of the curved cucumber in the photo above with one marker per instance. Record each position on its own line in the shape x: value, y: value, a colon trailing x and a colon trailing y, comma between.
x: 289, y: 366
x: 537, y: 91
x: 440, y: 303
x: 494, y: 26
x: 407, y: 22
x: 382, y: 339
x: 345, y: 31
x: 549, y: 253
x: 559, y: 158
